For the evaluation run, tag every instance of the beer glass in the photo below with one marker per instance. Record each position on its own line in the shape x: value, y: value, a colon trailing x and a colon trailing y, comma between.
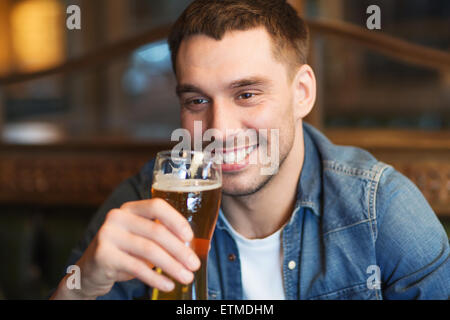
x: 191, y: 182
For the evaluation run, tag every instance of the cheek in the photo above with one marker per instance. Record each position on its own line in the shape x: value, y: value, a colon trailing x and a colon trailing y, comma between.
x: 186, y: 123
x: 272, y: 115
x: 188, y: 119
x: 282, y: 118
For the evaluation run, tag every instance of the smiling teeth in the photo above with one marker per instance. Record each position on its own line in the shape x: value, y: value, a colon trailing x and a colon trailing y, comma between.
x: 237, y: 156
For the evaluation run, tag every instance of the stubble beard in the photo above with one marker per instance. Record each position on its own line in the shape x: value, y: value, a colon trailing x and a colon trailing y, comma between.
x: 258, y: 184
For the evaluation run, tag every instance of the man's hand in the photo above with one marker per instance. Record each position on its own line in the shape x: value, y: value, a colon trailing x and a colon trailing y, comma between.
x: 129, y: 244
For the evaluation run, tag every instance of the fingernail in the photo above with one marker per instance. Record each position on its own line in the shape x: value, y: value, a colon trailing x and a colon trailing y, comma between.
x: 193, y: 262
x: 186, y: 275
x: 169, y: 285
x: 187, y: 234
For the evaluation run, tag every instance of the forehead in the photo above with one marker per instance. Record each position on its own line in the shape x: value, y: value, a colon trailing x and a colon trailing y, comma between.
x: 238, y: 54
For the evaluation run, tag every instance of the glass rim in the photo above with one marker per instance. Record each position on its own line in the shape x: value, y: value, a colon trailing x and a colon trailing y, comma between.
x: 168, y: 154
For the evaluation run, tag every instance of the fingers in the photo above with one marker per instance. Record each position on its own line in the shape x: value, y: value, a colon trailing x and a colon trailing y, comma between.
x: 161, y: 210
x: 130, y: 239
x: 133, y: 233
x: 140, y: 270
x: 150, y: 251
x: 158, y: 233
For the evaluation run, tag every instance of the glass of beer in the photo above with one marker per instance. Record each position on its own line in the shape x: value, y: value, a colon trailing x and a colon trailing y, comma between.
x: 191, y: 182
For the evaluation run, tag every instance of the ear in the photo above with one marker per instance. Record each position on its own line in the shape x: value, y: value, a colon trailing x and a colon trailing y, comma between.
x: 304, y: 86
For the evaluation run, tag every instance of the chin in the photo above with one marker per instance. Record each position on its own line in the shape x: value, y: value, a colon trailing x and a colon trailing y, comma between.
x: 248, y: 180
x: 240, y: 184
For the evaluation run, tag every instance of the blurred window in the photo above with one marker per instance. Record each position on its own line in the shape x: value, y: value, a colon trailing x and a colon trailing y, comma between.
x: 366, y: 89
x: 134, y: 96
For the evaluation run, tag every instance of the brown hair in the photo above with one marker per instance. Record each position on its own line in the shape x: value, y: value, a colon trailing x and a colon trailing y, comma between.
x: 215, y: 17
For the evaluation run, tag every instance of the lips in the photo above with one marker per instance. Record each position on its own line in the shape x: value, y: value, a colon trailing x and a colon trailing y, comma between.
x: 237, y: 156
x: 237, y: 159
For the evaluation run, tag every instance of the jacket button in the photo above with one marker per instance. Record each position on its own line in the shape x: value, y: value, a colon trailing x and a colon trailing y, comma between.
x: 231, y: 257
x: 291, y: 265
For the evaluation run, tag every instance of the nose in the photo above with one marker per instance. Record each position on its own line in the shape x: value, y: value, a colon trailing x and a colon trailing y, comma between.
x: 224, y: 118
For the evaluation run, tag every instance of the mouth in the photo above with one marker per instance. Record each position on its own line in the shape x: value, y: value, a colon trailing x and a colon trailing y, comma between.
x: 236, y: 159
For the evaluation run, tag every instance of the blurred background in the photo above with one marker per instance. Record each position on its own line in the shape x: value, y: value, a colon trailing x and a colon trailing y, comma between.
x: 82, y: 110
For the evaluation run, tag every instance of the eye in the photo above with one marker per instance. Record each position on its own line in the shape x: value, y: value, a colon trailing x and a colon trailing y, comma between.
x: 195, y: 104
x: 246, y: 95
x: 197, y: 101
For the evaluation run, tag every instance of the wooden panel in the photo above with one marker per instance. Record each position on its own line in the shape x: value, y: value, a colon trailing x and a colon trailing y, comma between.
x: 86, y: 173
x: 68, y: 175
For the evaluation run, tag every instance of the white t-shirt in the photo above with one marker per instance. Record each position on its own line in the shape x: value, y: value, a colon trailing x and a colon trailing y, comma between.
x: 261, y: 265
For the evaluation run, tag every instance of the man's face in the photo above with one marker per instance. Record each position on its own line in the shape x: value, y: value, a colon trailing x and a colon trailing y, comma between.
x: 233, y: 85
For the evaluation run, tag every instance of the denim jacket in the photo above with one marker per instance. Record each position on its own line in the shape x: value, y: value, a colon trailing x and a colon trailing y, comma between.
x: 360, y: 230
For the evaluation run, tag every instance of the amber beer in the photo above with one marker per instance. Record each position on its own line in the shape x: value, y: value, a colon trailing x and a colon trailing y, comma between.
x: 198, y: 201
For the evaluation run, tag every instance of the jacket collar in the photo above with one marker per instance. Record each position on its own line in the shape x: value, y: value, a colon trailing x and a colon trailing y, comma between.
x: 309, y: 188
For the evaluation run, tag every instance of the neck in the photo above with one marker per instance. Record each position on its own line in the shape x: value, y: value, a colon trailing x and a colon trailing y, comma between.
x: 261, y: 214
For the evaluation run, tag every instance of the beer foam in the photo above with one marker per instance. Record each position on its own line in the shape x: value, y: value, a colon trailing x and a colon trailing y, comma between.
x: 169, y: 183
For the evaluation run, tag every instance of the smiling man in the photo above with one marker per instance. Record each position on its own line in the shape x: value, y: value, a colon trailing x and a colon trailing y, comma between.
x: 332, y: 223
x: 238, y: 91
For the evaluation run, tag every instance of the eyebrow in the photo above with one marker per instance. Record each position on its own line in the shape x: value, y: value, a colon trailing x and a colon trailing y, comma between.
x: 187, y: 88
x: 252, y: 81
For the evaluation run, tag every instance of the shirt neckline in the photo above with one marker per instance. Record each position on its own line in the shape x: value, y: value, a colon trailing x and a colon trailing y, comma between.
x: 269, y: 241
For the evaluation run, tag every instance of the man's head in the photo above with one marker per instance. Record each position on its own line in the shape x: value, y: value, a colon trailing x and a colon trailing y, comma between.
x: 240, y: 65
x: 214, y: 18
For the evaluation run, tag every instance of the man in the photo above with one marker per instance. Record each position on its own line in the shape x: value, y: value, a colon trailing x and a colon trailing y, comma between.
x: 331, y: 223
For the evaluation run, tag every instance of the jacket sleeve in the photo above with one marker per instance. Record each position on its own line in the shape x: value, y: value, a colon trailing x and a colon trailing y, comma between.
x: 412, y: 246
